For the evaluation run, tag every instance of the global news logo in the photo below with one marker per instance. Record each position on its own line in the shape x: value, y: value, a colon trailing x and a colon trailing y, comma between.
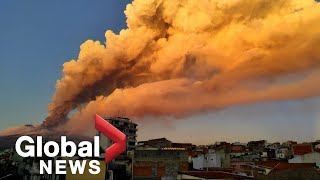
x: 68, y: 149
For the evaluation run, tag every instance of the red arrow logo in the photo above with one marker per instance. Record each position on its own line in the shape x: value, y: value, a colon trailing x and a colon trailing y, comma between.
x: 115, y: 135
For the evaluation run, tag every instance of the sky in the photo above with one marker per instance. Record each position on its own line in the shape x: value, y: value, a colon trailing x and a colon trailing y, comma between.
x: 273, y: 121
x: 37, y: 37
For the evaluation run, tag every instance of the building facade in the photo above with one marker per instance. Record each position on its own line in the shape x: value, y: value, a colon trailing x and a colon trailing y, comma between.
x: 126, y: 126
x: 154, y: 163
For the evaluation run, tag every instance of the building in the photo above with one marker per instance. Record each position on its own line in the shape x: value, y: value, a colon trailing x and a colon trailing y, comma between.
x: 212, y: 159
x: 257, y: 145
x: 120, y: 167
x: 274, y: 151
x: 291, y: 174
x: 282, y: 153
x: 313, y: 157
x: 237, y: 148
x: 204, y: 161
x: 242, y: 166
x: 302, y: 149
x: 187, y: 146
x: 272, y: 167
x: 246, y: 157
x: 157, y: 143
x: 203, y: 175
x: 126, y: 126
x: 159, y: 163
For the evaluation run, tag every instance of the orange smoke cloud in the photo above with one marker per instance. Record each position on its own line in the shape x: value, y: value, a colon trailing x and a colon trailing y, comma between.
x: 182, y: 57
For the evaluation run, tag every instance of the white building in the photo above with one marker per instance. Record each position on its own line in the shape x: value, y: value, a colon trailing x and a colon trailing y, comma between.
x: 209, y: 160
x: 282, y: 153
x: 313, y: 157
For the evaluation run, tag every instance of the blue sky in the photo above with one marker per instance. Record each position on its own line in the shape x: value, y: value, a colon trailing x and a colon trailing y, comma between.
x: 37, y: 37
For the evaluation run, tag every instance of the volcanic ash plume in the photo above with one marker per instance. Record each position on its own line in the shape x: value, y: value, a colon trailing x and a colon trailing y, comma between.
x: 182, y: 57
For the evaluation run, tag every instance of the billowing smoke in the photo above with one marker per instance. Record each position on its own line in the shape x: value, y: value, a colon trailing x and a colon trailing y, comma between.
x: 187, y: 56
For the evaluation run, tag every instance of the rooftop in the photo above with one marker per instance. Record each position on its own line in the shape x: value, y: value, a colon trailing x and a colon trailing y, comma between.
x: 123, y: 119
x: 277, y: 166
x: 215, y: 175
